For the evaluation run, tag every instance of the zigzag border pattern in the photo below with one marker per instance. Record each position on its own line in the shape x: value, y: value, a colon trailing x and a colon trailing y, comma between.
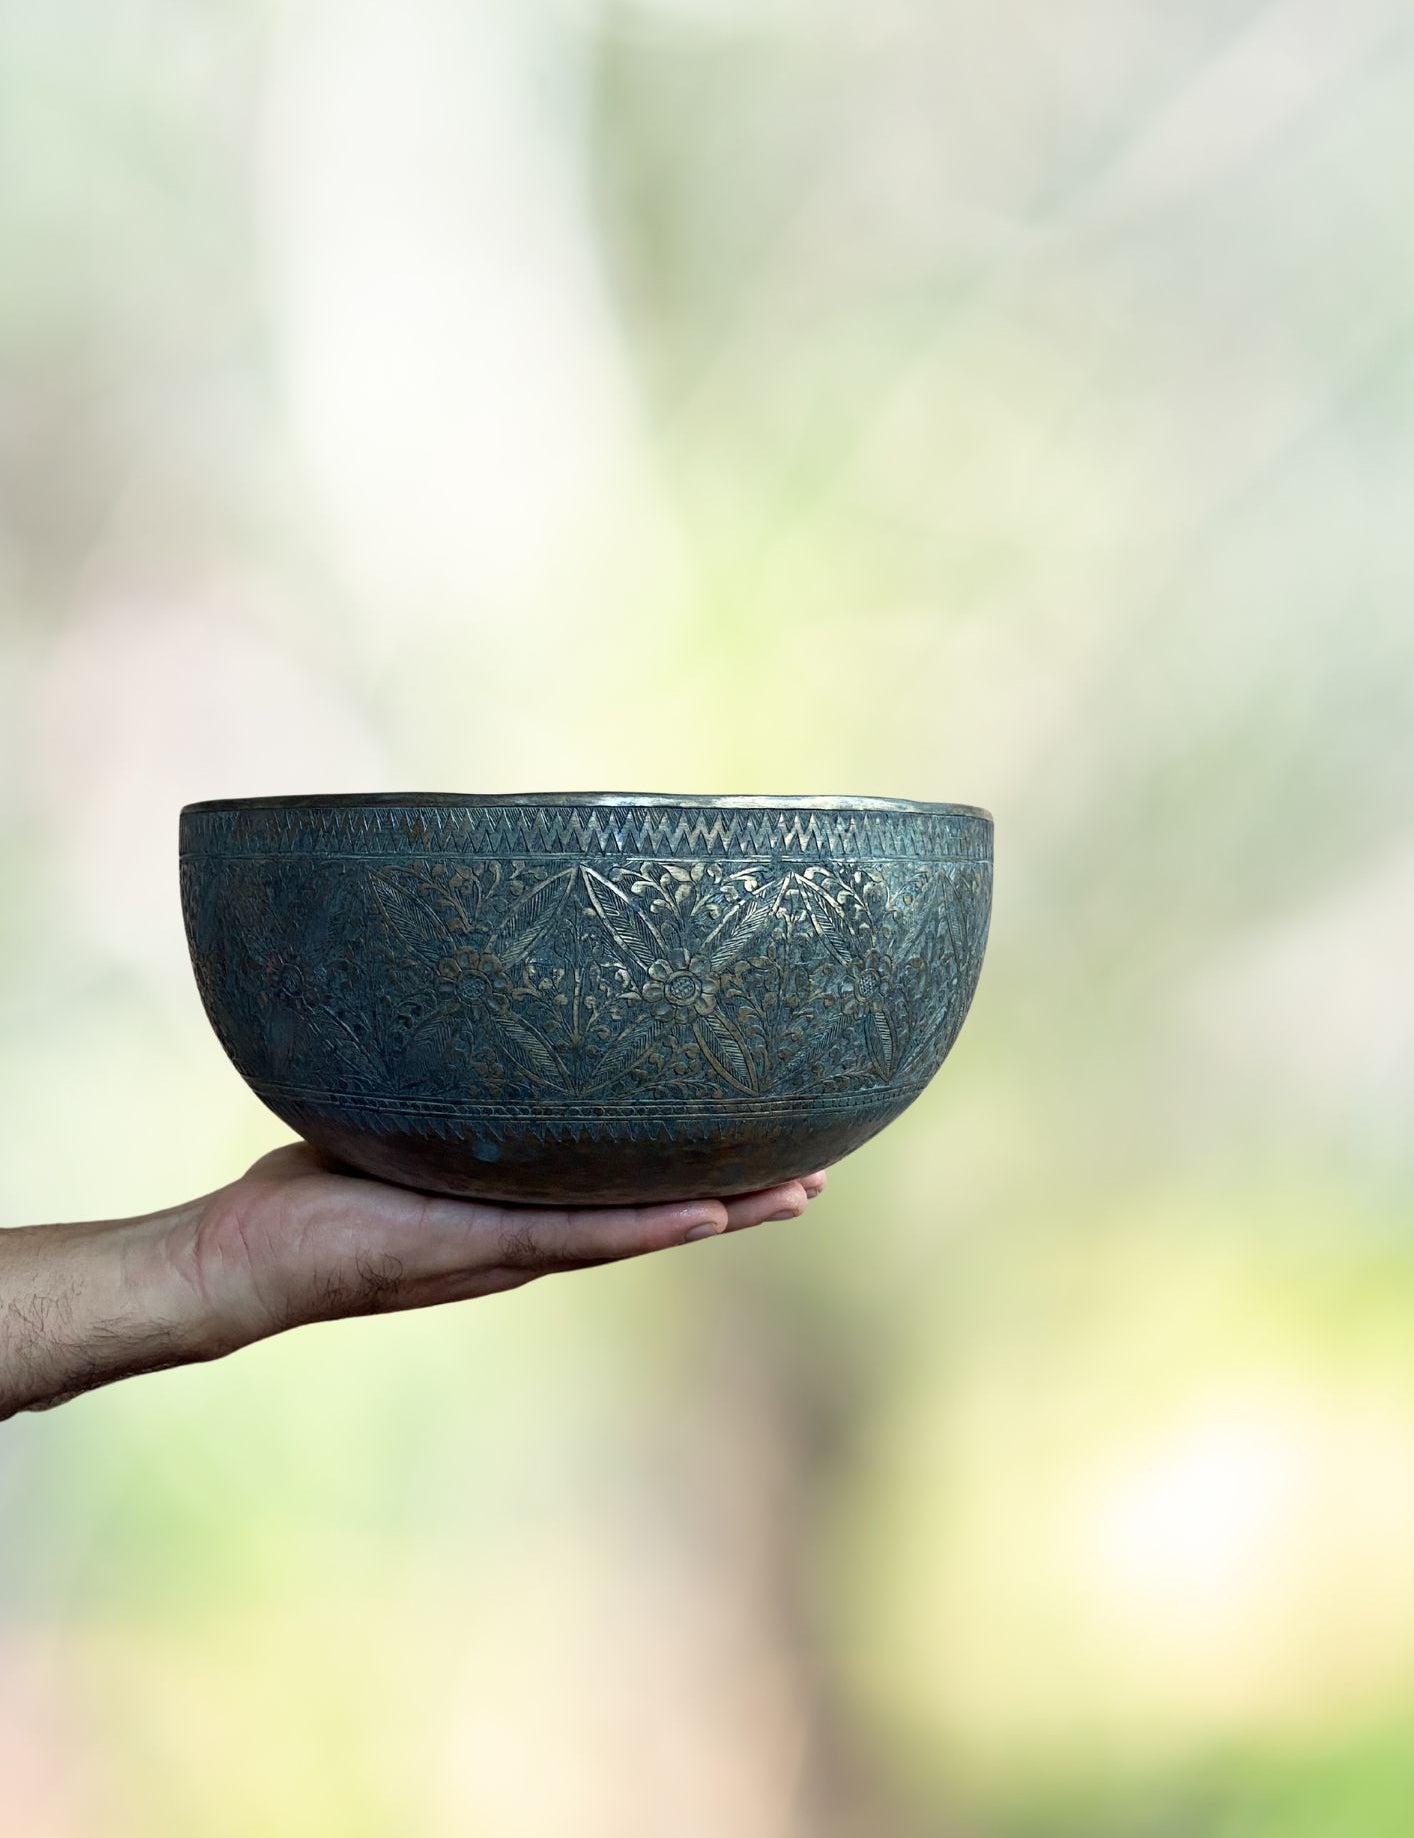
x: 524, y: 831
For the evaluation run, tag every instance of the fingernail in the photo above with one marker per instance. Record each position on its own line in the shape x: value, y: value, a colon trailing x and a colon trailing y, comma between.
x: 705, y: 1230
x: 790, y: 1213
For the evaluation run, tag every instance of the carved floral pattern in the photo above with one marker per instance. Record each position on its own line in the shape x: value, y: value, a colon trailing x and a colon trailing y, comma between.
x: 591, y: 1000
x: 528, y: 980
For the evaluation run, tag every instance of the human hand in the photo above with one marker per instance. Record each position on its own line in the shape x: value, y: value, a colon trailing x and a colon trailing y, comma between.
x: 294, y: 1241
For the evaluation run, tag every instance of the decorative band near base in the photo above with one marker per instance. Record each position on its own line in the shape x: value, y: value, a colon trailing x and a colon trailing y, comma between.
x: 639, y: 1121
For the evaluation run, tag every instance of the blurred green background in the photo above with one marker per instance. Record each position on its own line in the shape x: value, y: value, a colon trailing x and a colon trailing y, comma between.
x: 1010, y: 404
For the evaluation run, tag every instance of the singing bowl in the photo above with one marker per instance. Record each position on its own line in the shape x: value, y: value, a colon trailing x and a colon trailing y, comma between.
x: 586, y: 997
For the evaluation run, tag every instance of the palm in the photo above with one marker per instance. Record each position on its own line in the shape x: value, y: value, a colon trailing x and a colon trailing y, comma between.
x: 293, y: 1240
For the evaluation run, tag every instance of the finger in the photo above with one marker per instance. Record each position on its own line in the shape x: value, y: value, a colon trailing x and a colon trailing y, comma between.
x: 815, y: 1184
x: 291, y: 1159
x: 788, y: 1201
x: 537, y: 1238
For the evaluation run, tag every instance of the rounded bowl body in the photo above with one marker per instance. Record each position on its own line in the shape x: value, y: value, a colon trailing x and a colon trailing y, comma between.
x: 586, y: 998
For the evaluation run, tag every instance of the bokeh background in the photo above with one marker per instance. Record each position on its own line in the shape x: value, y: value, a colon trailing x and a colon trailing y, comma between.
x: 1011, y: 404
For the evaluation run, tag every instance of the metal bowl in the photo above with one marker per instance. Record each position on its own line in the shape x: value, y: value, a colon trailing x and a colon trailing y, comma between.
x: 586, y: 997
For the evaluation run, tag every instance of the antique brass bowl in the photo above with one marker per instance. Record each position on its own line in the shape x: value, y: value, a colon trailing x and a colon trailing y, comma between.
x: 586, y: 997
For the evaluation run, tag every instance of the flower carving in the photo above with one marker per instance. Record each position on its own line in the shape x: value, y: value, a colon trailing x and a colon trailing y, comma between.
x: 474, y: 978
x: 680, y: 988
x: 863, y: 988
x: 293, y: 987
x: 530, y: 976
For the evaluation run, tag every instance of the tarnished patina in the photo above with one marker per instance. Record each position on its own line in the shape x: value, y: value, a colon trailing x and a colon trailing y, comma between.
x: 586, y: 997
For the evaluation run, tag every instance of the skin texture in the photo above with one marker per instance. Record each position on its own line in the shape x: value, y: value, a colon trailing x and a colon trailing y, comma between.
x: 294, y: 1241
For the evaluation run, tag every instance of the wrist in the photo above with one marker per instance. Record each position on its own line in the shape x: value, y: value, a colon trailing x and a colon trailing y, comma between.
x: 84, y: 1304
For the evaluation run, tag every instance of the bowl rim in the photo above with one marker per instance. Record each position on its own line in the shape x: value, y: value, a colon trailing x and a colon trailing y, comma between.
x: 413, y: 800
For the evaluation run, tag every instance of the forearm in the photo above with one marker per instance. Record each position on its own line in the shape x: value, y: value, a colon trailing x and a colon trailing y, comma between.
x: 295, y: 1241
x: 84, y: 1304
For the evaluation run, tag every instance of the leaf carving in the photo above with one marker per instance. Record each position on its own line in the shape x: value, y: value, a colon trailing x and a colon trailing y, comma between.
x: 823, y: 922
x: 632, y: 931
x: 517, y: 934
x: 404, y: 912
x: 883, y: 1042
x: 624, y: 1055
x: 834, y: 903
x: 915, y: 922
x: 957, y: 913
x: 428, y: 1035
x: 528, y: 1049
x: 337, y: 1035
x: 725, y: 1050
x: 738, y: 926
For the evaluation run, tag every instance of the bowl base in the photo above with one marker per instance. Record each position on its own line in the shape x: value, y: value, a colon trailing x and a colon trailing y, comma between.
x: 519, y: 1169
